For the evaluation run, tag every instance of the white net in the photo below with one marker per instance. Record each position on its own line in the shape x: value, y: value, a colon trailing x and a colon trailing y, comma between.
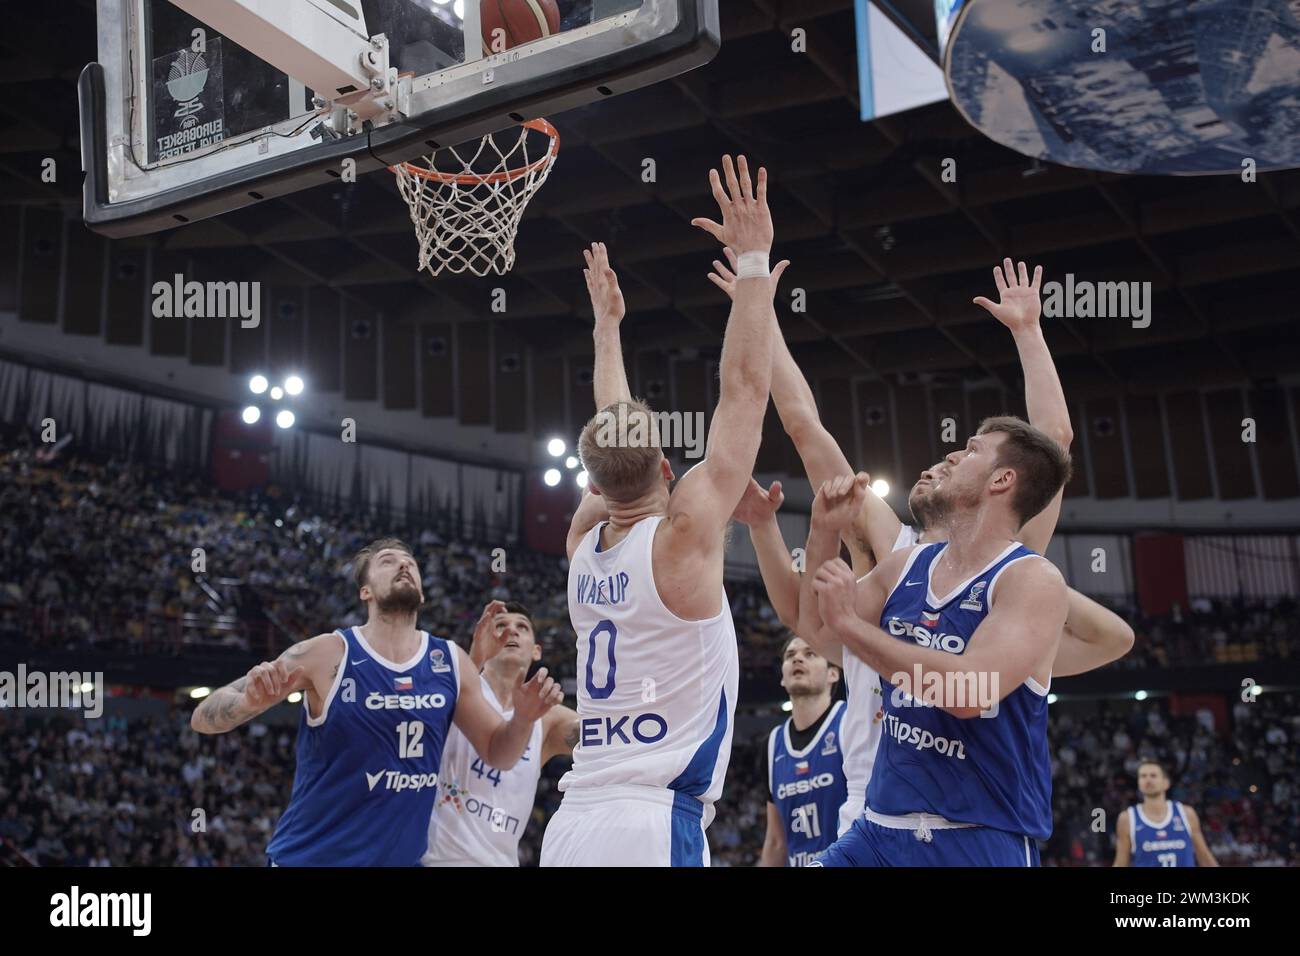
x: 466, y: 208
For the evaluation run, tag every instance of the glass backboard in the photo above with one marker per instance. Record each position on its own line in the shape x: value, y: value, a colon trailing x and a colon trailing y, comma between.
x: 181, y: 122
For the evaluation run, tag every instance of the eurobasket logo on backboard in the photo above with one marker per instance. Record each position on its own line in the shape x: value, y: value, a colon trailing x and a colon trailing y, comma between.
x: 189, y: 101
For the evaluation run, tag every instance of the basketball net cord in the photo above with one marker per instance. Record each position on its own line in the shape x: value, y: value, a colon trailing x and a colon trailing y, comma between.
x: 466, y: 220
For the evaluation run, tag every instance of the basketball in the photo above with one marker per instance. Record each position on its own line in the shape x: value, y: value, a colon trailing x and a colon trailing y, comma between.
x: 508, y: 23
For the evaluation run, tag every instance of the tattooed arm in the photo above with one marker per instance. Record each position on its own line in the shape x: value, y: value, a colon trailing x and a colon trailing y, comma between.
x: 310, y: 666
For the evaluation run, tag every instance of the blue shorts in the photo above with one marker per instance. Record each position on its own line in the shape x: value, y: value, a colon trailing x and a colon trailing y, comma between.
x: 870, y: 844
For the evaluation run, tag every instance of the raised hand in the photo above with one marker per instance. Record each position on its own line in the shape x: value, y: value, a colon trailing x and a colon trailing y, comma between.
x: 746, y: 220
x: 757, y: 505
x: 533, y: 699
x: 725, y: 278
x: 839, y: 501
x: 1018, y: 306
x: 268, y: 683
x: 602, y: 286
x: 836, y: 589
x: 486, y: 645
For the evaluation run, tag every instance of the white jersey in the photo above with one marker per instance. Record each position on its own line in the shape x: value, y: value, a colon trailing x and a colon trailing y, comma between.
x: 481, y: 812
x: 860, y: 728
x: 656, y: 694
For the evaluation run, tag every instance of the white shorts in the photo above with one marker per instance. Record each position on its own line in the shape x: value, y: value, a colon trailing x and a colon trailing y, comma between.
x: 626, y: 826
x: 852, y: 808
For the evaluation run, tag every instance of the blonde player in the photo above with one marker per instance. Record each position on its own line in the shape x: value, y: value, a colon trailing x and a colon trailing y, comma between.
x: 657, y: 662
x: 482, y: 811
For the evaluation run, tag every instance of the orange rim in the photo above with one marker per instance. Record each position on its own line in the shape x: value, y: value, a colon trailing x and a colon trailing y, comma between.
x: 504, y: 176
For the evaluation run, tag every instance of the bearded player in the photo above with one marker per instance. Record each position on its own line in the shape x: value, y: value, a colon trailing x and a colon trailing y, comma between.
x: 1094, y: 636
x: 378, y: 703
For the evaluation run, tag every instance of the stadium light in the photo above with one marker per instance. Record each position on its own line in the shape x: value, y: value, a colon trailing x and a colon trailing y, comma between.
x: 1140, y: 695
x: 1256, y: 690
x: 199, y: 693
x: 570, y: 463
x: 252, y: 415
x: 257, y: 384
x: 556, y: 447
x: 551, y: 477
x: 582, y: 479
x: 787, y: 706
x: 295, y: 697
x: 293, y: 385
x: 1052, y: 698
x: 284, y: 418
x: 86, y: 687
x: 880, y: 487
x: 277, y: 393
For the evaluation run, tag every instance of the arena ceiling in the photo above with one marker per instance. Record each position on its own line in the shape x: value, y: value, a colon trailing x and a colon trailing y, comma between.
x: 890, y: 255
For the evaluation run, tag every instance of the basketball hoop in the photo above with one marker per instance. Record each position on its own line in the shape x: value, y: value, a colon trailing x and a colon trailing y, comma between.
x: 466, y: 216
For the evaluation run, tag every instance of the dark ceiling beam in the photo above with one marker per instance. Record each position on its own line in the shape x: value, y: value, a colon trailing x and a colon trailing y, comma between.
x: 838, y: 69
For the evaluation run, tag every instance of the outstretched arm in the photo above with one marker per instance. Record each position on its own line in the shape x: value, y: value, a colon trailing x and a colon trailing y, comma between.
x: 485, y: 645
x: 821, y: 455
x: 833, y: 510
x: 1019, y: 308
x: 704, y: 499
x: 609, y: 377
x: 1094, y: 636
x: 308, y: 665
x: 501, y: 742
x: 757, y: 509
x: 876, y: 527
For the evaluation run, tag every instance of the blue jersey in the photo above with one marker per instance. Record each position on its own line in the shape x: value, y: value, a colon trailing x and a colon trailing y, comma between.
x: 367, y: 772
x: 988, y: 770
x: 808, y: 786
x: 1167, y: 843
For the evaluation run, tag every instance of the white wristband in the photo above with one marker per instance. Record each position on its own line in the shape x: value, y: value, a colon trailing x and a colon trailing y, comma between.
x: 752, y: 265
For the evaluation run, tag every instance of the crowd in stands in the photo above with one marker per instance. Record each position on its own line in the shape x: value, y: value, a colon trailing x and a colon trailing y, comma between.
x: 1215, y: 632
x: 149, y: 791
x: 92, y: 552
x: 143, y: 792
x: 1242, y: 779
